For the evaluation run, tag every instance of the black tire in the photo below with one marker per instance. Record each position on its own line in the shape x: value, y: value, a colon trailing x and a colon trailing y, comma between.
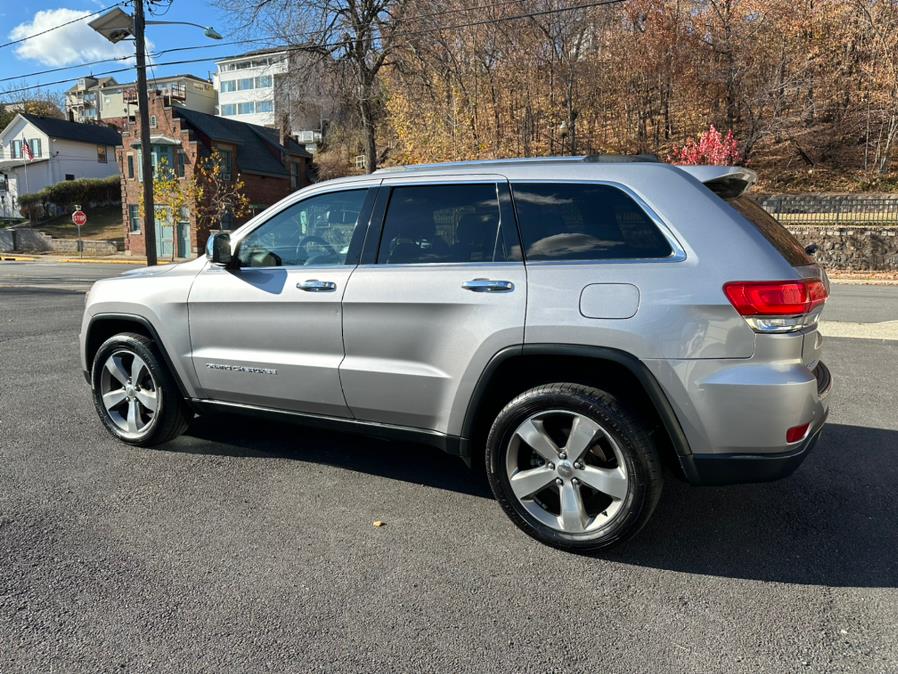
x: 641, y: 465
x: 171, y: 415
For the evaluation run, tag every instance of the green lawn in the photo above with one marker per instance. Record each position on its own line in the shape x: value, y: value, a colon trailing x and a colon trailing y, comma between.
x: 103, y: 223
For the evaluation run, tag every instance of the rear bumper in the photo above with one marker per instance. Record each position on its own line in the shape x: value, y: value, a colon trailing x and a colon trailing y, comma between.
x: 743, y: 467
x: 721, y: 469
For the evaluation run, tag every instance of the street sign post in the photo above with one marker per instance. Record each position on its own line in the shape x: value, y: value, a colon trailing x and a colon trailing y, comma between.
x: 79, y: 217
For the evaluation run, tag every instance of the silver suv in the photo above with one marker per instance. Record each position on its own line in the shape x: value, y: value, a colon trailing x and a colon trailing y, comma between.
x: 571, y: 326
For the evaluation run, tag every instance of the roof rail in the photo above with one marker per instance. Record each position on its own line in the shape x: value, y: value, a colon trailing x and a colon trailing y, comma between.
x: 592, y: 159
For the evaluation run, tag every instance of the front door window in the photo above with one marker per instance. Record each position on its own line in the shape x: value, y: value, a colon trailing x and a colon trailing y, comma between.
x: 315, y: 231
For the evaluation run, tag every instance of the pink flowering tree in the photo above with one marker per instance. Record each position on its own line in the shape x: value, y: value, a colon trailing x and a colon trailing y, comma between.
x: 711, y: 148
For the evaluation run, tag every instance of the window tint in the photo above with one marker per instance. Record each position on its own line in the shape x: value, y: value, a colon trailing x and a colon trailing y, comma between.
x: 442, y: 223
x: 773, y: 231
x: 579, y: 221
x: 315, y: 231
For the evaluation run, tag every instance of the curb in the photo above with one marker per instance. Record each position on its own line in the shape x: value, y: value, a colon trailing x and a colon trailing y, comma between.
x: 16, y: 258
x: 96, y: 260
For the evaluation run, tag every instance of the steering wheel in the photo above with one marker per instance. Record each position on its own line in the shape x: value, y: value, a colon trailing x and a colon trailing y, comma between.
x: 302, y: 252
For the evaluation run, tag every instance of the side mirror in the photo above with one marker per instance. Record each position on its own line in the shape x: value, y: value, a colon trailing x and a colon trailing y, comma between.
x: 218, y: 249
x: 811, y: 249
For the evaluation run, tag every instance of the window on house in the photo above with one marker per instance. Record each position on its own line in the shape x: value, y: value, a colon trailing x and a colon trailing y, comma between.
x: 131, y: 166
x: 181, y: 161
x: 227, y: 158
x: 36, y: 149
x: 244, y: 108
x: 228, y: 86
x: 227, y: 221
x: 264, y: 106
x: 245, y: 83
x: 15, y: 148
x: 152, y: 121
x: 228, y: 109
x: 263, y: 81
x: 134, y: 217
x: 69, y: 176
x: 101, y: 154
x: 294, y: 175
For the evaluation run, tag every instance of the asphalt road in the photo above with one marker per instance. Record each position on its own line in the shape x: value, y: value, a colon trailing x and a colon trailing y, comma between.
x: 248, y: 546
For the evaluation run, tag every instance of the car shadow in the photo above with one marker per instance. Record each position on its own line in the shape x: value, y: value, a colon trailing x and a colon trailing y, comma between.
x: 246, y: 436
x: 834, y: 522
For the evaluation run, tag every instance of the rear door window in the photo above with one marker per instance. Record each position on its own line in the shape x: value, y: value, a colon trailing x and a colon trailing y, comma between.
x: 584, y: 221
x: 442, y: 223
x: 780, y: 237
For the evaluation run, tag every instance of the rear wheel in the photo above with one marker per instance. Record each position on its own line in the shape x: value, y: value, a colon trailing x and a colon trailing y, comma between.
x: 135, y: 396
x: 572, y: 467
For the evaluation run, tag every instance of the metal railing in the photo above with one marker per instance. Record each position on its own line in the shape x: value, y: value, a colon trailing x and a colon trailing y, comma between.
x: 832, y: 209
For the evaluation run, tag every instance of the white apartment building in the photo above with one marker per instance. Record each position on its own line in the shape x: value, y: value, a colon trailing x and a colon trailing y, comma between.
x: 246, y: 86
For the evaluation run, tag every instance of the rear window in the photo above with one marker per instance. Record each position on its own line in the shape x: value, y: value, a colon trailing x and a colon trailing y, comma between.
x: 780, y: 237
x: 583, y: 221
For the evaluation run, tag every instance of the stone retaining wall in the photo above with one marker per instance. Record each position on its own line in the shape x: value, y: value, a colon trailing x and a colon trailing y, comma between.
x: 852, y: 248
x: 25, y: 240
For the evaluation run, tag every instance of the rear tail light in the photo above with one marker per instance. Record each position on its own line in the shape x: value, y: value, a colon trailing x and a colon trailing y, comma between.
x: 777, y: 306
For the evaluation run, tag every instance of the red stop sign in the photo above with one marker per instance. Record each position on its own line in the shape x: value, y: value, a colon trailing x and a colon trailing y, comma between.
x: 79, y: 218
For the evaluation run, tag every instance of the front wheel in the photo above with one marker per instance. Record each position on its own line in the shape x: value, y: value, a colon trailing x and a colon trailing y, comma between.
x: 572, y: 467
x: 134, y: 394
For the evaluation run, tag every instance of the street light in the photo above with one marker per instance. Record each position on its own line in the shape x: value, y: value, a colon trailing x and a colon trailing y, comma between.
x: 115, y: 26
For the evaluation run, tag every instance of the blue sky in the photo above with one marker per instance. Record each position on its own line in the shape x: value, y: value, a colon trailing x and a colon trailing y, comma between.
x: 77, y: 43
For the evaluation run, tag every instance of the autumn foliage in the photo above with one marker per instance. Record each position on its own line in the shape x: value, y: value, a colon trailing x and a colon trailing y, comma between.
x: 711, y: 148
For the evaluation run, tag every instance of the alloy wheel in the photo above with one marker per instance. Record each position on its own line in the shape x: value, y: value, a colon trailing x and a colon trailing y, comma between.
x: 129, y: 393
x: 567, y: 471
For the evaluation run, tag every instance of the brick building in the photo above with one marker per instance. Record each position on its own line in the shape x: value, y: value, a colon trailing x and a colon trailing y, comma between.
x: 270, y: 167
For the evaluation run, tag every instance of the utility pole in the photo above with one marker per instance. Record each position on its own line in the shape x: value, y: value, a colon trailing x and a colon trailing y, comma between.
x: 146, y: 162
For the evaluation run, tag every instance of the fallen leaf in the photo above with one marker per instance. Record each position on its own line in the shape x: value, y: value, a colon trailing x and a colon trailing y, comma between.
x: 378, y: 523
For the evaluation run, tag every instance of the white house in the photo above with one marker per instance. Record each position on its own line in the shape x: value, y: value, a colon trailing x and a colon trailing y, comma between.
x: 59, y: 150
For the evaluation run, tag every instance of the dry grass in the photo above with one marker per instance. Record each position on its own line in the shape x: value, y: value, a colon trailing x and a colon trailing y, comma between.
x: 103, y: 224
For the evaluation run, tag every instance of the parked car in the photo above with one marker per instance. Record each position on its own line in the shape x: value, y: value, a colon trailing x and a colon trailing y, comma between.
x: 571, y: 326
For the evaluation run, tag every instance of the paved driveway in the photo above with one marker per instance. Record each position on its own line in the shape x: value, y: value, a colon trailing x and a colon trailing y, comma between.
x: 248, y: 546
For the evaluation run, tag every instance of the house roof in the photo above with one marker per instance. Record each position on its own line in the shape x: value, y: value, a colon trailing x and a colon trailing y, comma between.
x: 256, y: 52
x: 66, y: 130
x: 171, y: 78
x: 253, y: 142
x: 101, y: 82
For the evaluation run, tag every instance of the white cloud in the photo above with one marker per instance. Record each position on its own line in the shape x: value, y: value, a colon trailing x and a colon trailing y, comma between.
x: 68, y: 45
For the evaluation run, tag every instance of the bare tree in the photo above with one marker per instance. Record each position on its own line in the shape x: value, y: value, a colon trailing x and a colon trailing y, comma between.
x: 356, y: 36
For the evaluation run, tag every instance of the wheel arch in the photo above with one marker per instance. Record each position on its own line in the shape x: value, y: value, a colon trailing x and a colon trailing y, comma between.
x: 518, y: 368
x: 103, y: 326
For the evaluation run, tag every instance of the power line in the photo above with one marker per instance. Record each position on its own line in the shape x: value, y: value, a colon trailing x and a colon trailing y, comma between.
x: 269, y: 38
x: 67, y: 23
x: 340, y: 43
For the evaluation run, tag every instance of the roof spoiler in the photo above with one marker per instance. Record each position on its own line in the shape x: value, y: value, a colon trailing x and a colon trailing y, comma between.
x: 727, y: 182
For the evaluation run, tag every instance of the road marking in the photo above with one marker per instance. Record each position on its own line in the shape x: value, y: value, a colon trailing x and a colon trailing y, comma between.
x: 884, y: 330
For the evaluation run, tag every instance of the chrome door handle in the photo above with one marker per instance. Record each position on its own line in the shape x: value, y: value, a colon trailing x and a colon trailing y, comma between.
x: 315, y: 286
x: 485, y: 285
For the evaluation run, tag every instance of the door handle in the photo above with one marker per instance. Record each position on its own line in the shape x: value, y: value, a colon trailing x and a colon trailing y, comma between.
x: 313, y: 285
x: 485, y: 285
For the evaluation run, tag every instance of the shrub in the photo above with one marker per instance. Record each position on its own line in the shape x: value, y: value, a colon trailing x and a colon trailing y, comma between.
x: 71, y: 192
x: 65, y: 195
x: 711, y: 148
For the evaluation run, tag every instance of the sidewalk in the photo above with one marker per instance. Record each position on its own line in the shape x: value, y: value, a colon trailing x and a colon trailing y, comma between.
x: 56, y: 259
